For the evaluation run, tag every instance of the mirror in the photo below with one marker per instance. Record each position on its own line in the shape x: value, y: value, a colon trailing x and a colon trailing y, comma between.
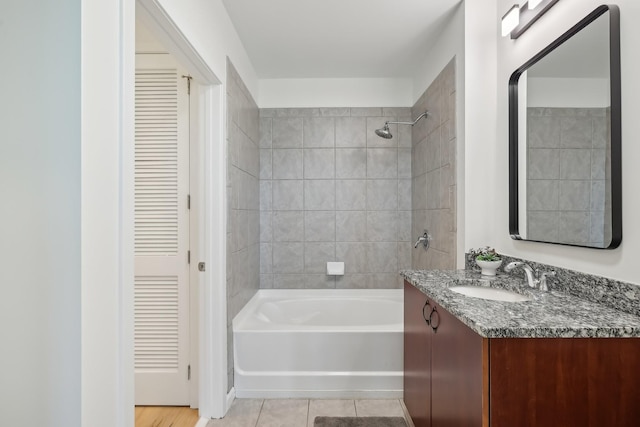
x: 565, y: 178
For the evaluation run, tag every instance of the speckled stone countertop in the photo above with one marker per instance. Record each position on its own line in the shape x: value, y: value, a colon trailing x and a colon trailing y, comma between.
x: 548, y: 314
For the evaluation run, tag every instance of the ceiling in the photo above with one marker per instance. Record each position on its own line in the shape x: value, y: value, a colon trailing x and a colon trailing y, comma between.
x: 338, y: 38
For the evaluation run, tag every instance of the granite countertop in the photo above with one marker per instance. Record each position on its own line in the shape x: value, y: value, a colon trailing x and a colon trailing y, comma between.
x: 548, y: 314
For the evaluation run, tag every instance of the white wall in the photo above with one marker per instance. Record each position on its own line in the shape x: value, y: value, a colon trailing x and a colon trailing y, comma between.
x: 450, y: 44
x: 40, y: 213
x: 207, y: 26
x: 348, y: 92
x: 566, y: 93
x: 107, y: 141
x: 66, y: 168
x: 485, y: 162
x: 491, y: 215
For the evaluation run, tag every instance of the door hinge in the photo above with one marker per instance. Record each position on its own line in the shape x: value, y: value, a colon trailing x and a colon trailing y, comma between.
x: 188, y: 372
x: 188, y: 201
x: 188, y: 77
x: 188, y: 257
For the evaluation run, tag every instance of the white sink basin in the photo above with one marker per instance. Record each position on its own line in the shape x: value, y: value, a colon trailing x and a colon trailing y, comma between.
x: 490, y: 293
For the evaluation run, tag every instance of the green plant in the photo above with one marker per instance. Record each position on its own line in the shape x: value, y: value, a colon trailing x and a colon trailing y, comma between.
x: 485, y: 254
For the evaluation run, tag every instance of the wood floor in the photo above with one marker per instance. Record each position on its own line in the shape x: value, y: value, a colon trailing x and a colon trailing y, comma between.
x: 166, y: 416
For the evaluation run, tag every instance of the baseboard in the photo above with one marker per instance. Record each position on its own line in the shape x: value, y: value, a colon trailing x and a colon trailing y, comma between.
x: 231, y: 396
x: 202, y: 422
x: 407, y: 416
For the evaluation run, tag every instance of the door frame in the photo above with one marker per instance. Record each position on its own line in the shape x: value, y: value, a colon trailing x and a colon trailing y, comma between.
x: 211, y: 370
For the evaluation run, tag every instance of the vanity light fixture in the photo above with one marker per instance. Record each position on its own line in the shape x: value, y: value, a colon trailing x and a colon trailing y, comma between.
x: 534, y: 3
x: 529, y: 13
x: 510, y: 20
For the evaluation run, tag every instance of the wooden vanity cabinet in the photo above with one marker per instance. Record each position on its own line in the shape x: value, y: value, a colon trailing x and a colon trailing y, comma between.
x: 456, y: 378
x: 444, y: 377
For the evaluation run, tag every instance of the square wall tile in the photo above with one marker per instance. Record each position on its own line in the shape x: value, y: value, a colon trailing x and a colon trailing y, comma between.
x: 404, y: 194
x: 598, y: 163
x: 576, y: 132
x: 266, y: 258
x: 265, y: 163
x: 351, y: 195
x: 574, y: 227
x: 382, y: 163
x: 319, y: 132
x: 575, y: 195
x: 265, y: 132
x: 266, y: 195
x: 351, y: 132
x: 575, y: 164
x: 382, y: 194
x: 319, y: 195
x: 354, y: 256
x: 404, y: 163
x: 316, y: 256
x: 543, y: 132
x: 288, y: 258
x: 351, y: 163
x: 319, y: 281
x: 543, y: 163
x: 288, y: 195
x: 286, y: 133
x: 543, y: 195
x: 287, y: 164
x: 288, y: 226
x: 382, y: 226
x: 266, y: 232
x: 543, y: 226
x: 351, y: 226
x: 353, y: 281
x: 319, y: 226
x: 382, y: 257
x: 319, y: 163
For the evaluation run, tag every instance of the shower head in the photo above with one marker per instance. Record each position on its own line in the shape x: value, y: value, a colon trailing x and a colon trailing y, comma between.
x: 384, y: 132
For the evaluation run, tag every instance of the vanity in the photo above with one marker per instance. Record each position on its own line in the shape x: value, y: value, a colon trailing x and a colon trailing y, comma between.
x: 554, y: 360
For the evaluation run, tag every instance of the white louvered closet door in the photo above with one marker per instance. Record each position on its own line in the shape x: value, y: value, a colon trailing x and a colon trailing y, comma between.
x: 161, y: 232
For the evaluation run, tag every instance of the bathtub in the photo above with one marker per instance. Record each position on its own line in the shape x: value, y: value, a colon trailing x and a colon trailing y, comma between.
x: 320, y: 344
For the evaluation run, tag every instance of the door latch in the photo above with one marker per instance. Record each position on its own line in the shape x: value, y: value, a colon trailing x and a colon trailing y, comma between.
x: 201, y: 266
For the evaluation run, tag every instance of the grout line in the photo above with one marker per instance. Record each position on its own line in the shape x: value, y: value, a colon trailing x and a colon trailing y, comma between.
x: 259, y: 413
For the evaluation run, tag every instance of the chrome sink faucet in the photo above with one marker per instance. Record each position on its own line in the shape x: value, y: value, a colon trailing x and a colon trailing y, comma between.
x: 534, y: 278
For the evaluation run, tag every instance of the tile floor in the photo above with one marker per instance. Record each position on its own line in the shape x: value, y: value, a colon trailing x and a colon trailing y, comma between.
x: 302, y: 412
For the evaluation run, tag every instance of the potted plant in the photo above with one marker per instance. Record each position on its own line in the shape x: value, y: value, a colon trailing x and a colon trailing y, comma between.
x: 487, y: 259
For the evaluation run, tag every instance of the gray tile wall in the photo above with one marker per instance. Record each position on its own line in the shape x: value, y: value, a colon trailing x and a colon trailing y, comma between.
x: 331, y: 190
x: 567, y: 175
x: 243, y: 216
x: 434, y: 173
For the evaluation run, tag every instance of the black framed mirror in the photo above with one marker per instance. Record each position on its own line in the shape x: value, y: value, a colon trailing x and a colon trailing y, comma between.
x: 565, y: 171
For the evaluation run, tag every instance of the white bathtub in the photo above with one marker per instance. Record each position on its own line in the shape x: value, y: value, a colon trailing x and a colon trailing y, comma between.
x: 320, y: 344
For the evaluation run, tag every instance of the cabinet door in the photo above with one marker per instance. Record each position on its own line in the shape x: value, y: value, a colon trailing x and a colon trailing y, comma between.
x: 417, y: 337
x: 459, y: 380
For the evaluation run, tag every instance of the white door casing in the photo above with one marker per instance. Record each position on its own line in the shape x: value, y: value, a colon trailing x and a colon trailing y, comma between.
x: 161, y: 232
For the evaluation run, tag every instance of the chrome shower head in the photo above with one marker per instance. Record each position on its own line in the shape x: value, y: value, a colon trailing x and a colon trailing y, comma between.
x: 384, y: 132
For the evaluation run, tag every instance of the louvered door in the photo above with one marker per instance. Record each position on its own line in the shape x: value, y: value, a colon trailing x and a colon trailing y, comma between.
x: 161, y: 232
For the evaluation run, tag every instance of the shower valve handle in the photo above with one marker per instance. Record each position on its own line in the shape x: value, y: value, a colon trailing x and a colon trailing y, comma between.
x: 425, y: 239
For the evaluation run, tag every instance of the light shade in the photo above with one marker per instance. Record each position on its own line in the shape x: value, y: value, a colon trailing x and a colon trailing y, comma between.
x: 534, y: 3
x: 510, y: 20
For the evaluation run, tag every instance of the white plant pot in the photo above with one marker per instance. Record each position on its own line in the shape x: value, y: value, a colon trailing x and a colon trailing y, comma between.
x: 488, y: 267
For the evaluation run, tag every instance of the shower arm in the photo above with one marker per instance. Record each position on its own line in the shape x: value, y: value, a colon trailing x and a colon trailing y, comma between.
x: 409, y: 123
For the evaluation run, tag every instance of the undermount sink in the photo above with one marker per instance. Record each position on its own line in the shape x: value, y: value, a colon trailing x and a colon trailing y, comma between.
x: 493, y: 294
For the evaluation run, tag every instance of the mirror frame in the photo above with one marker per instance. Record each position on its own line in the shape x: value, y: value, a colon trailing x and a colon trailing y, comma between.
x: 616, y: 126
